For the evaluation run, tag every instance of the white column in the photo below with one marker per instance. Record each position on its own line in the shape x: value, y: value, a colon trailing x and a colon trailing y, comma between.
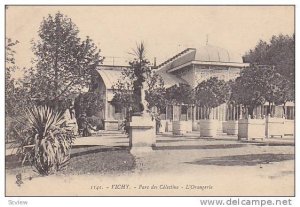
x: 234, y: 112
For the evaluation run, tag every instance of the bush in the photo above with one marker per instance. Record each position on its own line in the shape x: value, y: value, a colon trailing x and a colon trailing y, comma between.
x: 50, y: 140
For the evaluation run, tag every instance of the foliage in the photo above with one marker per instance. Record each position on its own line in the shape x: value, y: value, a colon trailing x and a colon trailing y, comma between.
x: 139, y: 68
x: 211, y: 93
x: 50, y: 138
x: 155, y: 94
x: 10, y: 67
x: 179, y: 94
x: 256, y: 85
x: 63, y: 62
x: 17, y: 95
x: 86, y: 106
x: 125, y: 97
x: 123, y: 91
x: 248, y: 89
x: 279, y: 52
x: 138, y: 76
x: 274, y: 90
x: 89, y: 103
x: 277, y: 76
x: 285, y: 92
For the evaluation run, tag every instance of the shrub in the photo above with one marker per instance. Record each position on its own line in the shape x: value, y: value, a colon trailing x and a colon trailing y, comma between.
x: 50, y: 140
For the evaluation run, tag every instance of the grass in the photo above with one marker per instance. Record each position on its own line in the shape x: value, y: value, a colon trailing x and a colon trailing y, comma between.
x: 86, y: 160
x: 96, y: 159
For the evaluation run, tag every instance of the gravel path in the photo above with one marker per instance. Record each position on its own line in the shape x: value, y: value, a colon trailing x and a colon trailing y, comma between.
x: 176, y: 166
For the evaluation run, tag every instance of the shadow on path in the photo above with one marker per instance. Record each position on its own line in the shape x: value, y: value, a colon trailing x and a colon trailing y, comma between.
x: 244, y: 160
x: 93, y: 149
x: 102, y: 160
x: 191, y: 147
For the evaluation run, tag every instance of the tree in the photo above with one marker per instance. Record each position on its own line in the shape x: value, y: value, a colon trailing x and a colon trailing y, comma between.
x: 10, y: 67
x: 123, y: 92
x: 280, y: 52
x: 156, y: 92
x: 248, y: 89
x: 128, y: 90
x: 284, y: 93
x: 277, y: 89
x: 258, y: 85
x: 179, y: 94
x: 278, y: 69
x: 63, y: 62
x: 137, y: 77
x: 211, y: 93
x: 89, y: 103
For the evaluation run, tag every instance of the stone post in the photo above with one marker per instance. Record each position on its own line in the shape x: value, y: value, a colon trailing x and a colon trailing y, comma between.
x: 142, y: 130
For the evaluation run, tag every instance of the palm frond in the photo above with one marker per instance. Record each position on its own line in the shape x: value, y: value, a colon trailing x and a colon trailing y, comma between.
x: 52, y: 142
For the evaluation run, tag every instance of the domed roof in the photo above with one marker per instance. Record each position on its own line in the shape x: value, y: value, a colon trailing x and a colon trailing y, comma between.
x: 216, y: 54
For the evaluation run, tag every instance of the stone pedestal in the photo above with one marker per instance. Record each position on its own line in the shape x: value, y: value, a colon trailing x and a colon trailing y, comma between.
x: 141, y: 134
x: 232, y: 127
x: 274, y: 127
x: 182, y: 127
x: 251, y: 128
x: 179, y: 128
x: 208, y: 127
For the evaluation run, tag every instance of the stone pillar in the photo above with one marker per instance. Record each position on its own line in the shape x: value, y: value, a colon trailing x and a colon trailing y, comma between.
x: 142, y: 130
x: 141, y: 134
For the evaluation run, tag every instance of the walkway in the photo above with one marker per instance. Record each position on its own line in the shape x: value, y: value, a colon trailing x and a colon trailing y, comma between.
x: 168, y: 140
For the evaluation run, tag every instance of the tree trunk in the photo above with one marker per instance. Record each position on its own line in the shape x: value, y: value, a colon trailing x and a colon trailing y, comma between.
x: 269, y: 109
x: 284, y: 115
x: 250, y: 111
x: 208, y: 112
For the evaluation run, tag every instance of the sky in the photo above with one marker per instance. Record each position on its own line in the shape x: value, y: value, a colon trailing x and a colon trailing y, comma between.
x: 165, y: 30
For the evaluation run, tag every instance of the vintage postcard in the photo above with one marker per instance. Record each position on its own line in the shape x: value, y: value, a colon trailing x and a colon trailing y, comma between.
x: 149, y: 100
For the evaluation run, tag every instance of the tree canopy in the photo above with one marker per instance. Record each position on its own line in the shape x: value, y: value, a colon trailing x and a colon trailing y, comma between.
x: 212, y: 92
x: 10, y: 90
x: 156, y: 92
x: 179, y: 94
x: 63, y: 62
x: 279, y: 52
x: 260, y: 84
x: 135, y: 78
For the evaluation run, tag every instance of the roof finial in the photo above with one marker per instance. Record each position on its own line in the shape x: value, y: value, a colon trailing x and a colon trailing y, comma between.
x: 206, y: 39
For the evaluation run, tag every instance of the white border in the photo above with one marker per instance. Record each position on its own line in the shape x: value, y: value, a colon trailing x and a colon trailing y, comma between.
x: 125, y: 201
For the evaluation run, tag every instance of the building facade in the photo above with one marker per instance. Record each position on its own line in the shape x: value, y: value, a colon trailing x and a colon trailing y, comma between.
x: 191, y: 66
x: 103, y: 81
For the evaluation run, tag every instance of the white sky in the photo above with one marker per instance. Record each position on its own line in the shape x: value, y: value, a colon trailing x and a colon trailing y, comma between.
x: 165, y: 30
